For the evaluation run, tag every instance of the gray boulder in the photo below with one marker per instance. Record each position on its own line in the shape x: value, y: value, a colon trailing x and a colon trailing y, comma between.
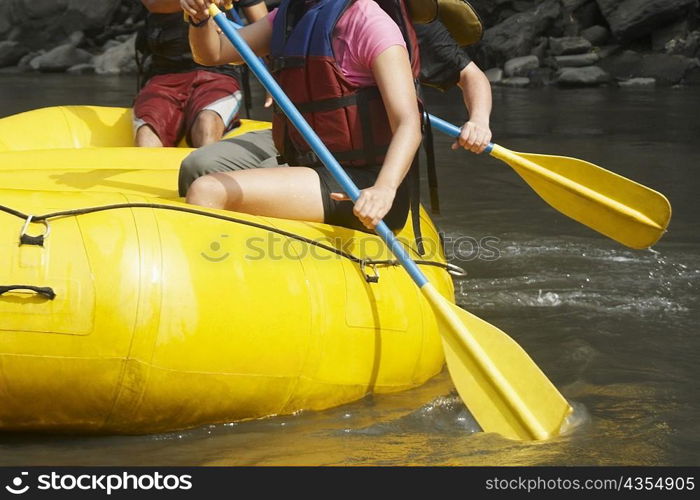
x: 60, y: 59
x: 39, y: 23
x: 597, y: 35
x: 117, y: 59
x: 692, y: 77
x: 516, y: 35
x: 623, y: 65
x: 582, y: 77
x: 688, y: 46
x: 638, y: 83
x: 577, y: 60
x: 519, y: 66
x: 11, y: 53
x: 81, y: 69
x: 666, y: 69
x: 569, y: 45
x: 515, y: 82
x: 630, y: 19
x: 672, y: 31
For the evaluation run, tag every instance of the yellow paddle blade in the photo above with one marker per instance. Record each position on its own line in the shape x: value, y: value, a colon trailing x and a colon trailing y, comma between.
x: 501, y: 385
x: 624, y: 210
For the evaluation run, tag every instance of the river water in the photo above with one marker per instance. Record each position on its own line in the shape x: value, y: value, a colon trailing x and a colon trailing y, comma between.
x: 615, y: 329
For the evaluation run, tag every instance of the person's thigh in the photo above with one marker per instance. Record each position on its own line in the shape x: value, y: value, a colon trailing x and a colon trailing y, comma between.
x: 160, y: 105
x: 251, y: 150
x: 286, y: 192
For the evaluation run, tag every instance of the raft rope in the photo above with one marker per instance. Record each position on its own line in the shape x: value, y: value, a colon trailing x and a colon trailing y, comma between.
x: 38, y: 240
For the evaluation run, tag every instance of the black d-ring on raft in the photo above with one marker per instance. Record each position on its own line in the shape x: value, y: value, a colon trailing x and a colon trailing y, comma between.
x: 27, y: 239
x: 41, y: 290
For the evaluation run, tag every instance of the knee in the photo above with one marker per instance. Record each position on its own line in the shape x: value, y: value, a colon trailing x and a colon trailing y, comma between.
x: 208, y: 191
x: 207, y: 128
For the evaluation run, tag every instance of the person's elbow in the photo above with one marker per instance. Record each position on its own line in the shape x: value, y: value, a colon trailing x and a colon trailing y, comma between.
x: 471, y: 73
x: 411, y: 123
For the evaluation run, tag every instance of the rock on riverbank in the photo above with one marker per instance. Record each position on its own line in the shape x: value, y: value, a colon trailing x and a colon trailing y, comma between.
x: 590, y: 42
x: 526, y: 42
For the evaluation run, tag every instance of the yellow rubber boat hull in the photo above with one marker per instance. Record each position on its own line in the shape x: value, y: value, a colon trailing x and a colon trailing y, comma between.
x: 168, y: 316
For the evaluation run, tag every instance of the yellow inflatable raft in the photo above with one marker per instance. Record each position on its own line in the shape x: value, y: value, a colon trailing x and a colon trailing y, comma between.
x: 125, y: 310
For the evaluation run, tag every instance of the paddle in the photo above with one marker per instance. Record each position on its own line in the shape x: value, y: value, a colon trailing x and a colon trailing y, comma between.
x: 503, y: 388
x: 627, y: 212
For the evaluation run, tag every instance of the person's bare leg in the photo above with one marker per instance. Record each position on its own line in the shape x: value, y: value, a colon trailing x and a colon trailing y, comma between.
x: 146, y: 137
x: 207, y: 128
x: 286, y: 193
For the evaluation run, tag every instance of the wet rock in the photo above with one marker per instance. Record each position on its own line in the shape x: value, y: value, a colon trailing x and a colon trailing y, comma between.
x: 661, y: 36
x: 76, y: 38
x: 666, y: 69
x: 577, y: 60
x: 494, y: 75
x: 516, y: 35
x: 588, y: 15
x: 519, y: 66
x: 597, y: 35
x: 630, y: 19
x: 608, y: 50
x: 540, y: 48
x: 40, y: 23
x: 81, y: 69
x: 24, y: 63
x: 569, y: 45
x: 117, y: 60
x: 623, y: 65
x: 579, y: 15
x: 692, y: 77
x: 516, y: 82
x: 60, y: 59
x: 582, y: 77
x: 687, y: 46
x: 11, y: 52
x: 638, y: 83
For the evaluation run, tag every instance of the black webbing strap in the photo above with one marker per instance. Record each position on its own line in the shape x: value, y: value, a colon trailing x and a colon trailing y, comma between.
x: 414, y: 193
x: 429, y: 147
x: 365, y: 120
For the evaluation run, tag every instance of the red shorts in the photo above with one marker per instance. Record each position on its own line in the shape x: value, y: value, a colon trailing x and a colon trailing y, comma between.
x: 170, y: 103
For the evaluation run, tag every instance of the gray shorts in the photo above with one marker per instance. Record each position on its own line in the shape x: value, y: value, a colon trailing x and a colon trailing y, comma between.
x: 250, y: 150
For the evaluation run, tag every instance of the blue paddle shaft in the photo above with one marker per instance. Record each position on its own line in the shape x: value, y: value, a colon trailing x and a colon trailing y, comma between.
x: 260, y: 71
x: 451, y: 130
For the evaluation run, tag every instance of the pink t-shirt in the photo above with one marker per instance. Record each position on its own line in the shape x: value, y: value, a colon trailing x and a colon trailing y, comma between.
x: 362, y: 33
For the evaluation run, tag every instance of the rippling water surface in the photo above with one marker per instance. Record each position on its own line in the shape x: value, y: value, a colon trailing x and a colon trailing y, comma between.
x: 615, y: 329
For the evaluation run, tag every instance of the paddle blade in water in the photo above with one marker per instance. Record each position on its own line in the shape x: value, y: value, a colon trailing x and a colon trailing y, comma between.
x: 627, y: 212
x: 501, y: 385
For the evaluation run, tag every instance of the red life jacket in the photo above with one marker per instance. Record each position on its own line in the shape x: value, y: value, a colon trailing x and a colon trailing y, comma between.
x: 350, y: 120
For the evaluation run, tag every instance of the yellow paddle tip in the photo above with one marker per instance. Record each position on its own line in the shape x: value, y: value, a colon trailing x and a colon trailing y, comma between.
x: 213, y: 10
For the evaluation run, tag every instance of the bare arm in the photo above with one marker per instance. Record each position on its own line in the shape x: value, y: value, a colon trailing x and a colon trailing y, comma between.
x: 162, y: 6
x: 476, y: 92
x: 255, y: 12
x: 392, y: 72
x: 213, y: 49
